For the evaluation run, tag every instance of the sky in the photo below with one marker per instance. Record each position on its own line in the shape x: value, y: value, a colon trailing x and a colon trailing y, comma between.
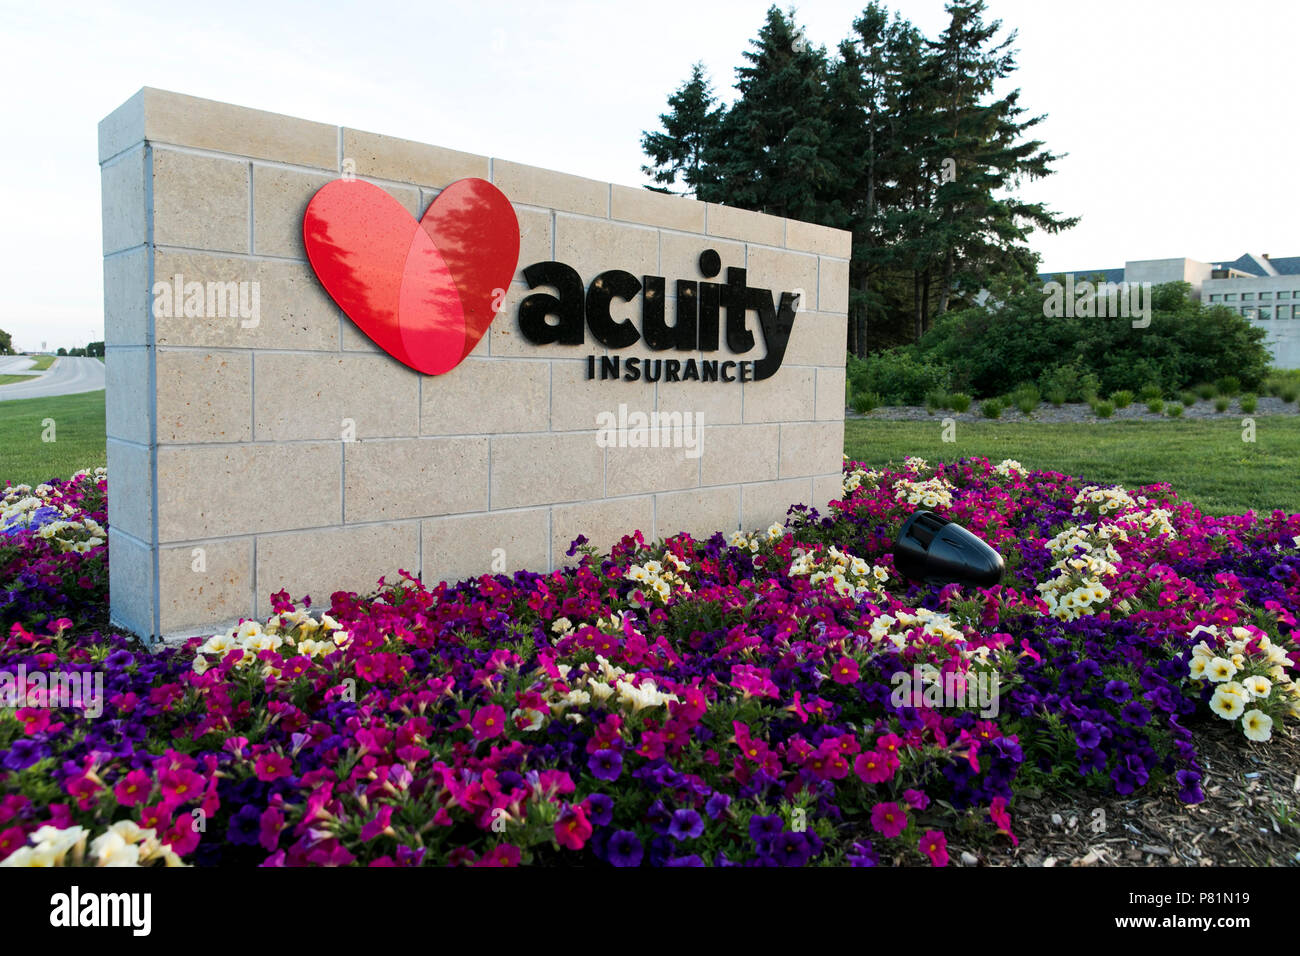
x: 1174, y: 115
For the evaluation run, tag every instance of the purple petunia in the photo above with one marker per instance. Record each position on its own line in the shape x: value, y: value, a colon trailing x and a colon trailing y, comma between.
x: 686, y: 825
x: 624, y: 849
x: 605, y: 764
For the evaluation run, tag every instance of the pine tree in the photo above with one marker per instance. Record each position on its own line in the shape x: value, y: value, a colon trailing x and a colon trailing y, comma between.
x: 690, y: 126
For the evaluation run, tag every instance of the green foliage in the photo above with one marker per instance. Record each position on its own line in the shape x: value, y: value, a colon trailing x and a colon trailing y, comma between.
x: 1204, y: 391
x: 1149, y: 392
x: 1173, y: 409
x: 991, y: 408
x: 937, y: 399
x: 1188, y: 398
x: 689, y: 127
x: 865, y: 402
x: 1103, y: 409
x: 1288, y: 393
x: 1057, y: 396
x: 1123, y: 398
x: 1221, y: 404
x: 1249, y: 403
x: 960, y: 401
x: 897, y: 376
x: 1156, y: 406
x: 1229, y: 385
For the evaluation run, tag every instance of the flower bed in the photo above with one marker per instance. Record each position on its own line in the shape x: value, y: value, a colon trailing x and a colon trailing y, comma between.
x: 730, y: 701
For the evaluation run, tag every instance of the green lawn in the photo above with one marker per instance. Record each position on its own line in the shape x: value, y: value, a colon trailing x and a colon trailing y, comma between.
x: 10, y: 379
x: 1206, y: 461
x: 43, y: 362
x: 78, y: 437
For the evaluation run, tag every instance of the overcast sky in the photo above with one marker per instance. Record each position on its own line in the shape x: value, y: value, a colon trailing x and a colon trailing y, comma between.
x: 1176, y: 115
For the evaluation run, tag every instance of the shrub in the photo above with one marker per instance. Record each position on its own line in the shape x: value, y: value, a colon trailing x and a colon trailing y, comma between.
x: 1173, y: 409
x: 1149, y: 392
x: 1249, y: 403
x: 937, y: 398
x: 960, y: 401
x: 1089, y: 387
x: 865, y: 402
x: 1123, y: 398
x: 1026, y: 405
x: 1204, y: 391
x: 1103, y: 409
x: 1221, y: 404
x: 991, y: 408
x: 1228, y: 385
x: 1289, y: 394
x: 1057, y: 397
x: 1188, y: 398
x: 1155, y: 405
x: 897, y: 376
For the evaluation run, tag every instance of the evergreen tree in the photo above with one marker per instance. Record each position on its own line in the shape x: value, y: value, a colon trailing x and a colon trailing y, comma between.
x: 690, y: 126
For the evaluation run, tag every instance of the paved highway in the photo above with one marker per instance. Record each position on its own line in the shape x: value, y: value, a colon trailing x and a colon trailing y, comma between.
x: 68, y: 376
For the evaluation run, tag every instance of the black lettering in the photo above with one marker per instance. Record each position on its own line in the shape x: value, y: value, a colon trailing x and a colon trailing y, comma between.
x: 687, y: 326
x: 632, y: 369
x: 690, y: 371
x: 671, y: 368
x: 725, y: 378
x: 567, y: 307
x: 710, y: 368
x: 735, y: 299
x: 614, y: 284
x: 657, y: 365
x: 746, y: 368
x: 608, y: 367
x: 709, y: 295
x: 776, y: 325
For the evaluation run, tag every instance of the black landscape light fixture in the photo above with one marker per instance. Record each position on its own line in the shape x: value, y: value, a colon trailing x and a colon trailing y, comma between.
x: 938, y: 551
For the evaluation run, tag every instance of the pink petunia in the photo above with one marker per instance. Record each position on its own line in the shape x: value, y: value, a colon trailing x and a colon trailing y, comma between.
x: 1002, y: 819
x: 871, y: 767
x: 845, y: 671
x: 573, y: 828
x: 888, y: 819
x: 489, y: 722
x: 270, y: 767
x: 935, y: 845
x: 133, y: 789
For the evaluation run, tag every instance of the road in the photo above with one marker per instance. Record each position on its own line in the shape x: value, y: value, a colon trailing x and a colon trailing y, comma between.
x: 68, y: 376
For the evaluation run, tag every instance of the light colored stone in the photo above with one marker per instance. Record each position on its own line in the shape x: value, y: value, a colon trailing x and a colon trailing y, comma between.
x: 200, y: 202
x: 788, y: 396
x: 487, y: 396
x: 404, y: 161
x: 577, y: 401
x: 679, y: 258
x: 229, y: 490
x: 780, y: 271
x: 224, y: 128
x: 830, y: 394
x: 205, y: 584
x: 122, y: 128
x: 717, y: 402
x: 204, y: 396
x: 130, y: 491
x: 414, y: 478
x: 744, y: 224
x: 827, y: 488
x: 548, y: 189
x: 699, y: 512
x: 811, y: 449
x: 736, y: 453
x: 127, y: 299
x: 762, y: 505
x: 318, y: 563
x: 603, y: 523
x: 130, y: 583
x: 592, y: 247
x: 504, y: 340
x: 334, y: 397
x: 128, y: 402
x: 633, y: 471
x: 818, y: 338
x: 122, y: 186
x: 465, y: 546
x: 833, y: 286
x: 542, y: 469
x: 536, y: 227
x: 655, y: 209
x: 280, y: 197
x: 819, y: 239
x: 294, y: 312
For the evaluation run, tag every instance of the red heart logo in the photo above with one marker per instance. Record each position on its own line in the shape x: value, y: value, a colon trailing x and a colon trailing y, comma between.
x: 425, y: 292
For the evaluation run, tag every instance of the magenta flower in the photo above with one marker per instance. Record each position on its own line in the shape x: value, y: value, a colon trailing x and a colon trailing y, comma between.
x: 872, y: 767
x: 489, y: 722
x: 888, y: 819
x: 845, y: 671
x: 133, y: 789
x: 573, y: 829
x: 934, y: 845
x: 270, y: 767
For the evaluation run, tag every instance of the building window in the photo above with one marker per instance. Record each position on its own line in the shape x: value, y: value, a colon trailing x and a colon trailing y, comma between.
x: 1265, y: 313
x: 1284, y: 311
x: 1265, y: 295
x: 1284, y: 295
x: 1247, y: 296
x: 1215, y: 298
x: 1230, y: 297
x: 1248, y: 313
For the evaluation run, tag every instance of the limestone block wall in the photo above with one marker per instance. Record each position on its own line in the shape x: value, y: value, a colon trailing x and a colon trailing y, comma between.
x: 264, y: 442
